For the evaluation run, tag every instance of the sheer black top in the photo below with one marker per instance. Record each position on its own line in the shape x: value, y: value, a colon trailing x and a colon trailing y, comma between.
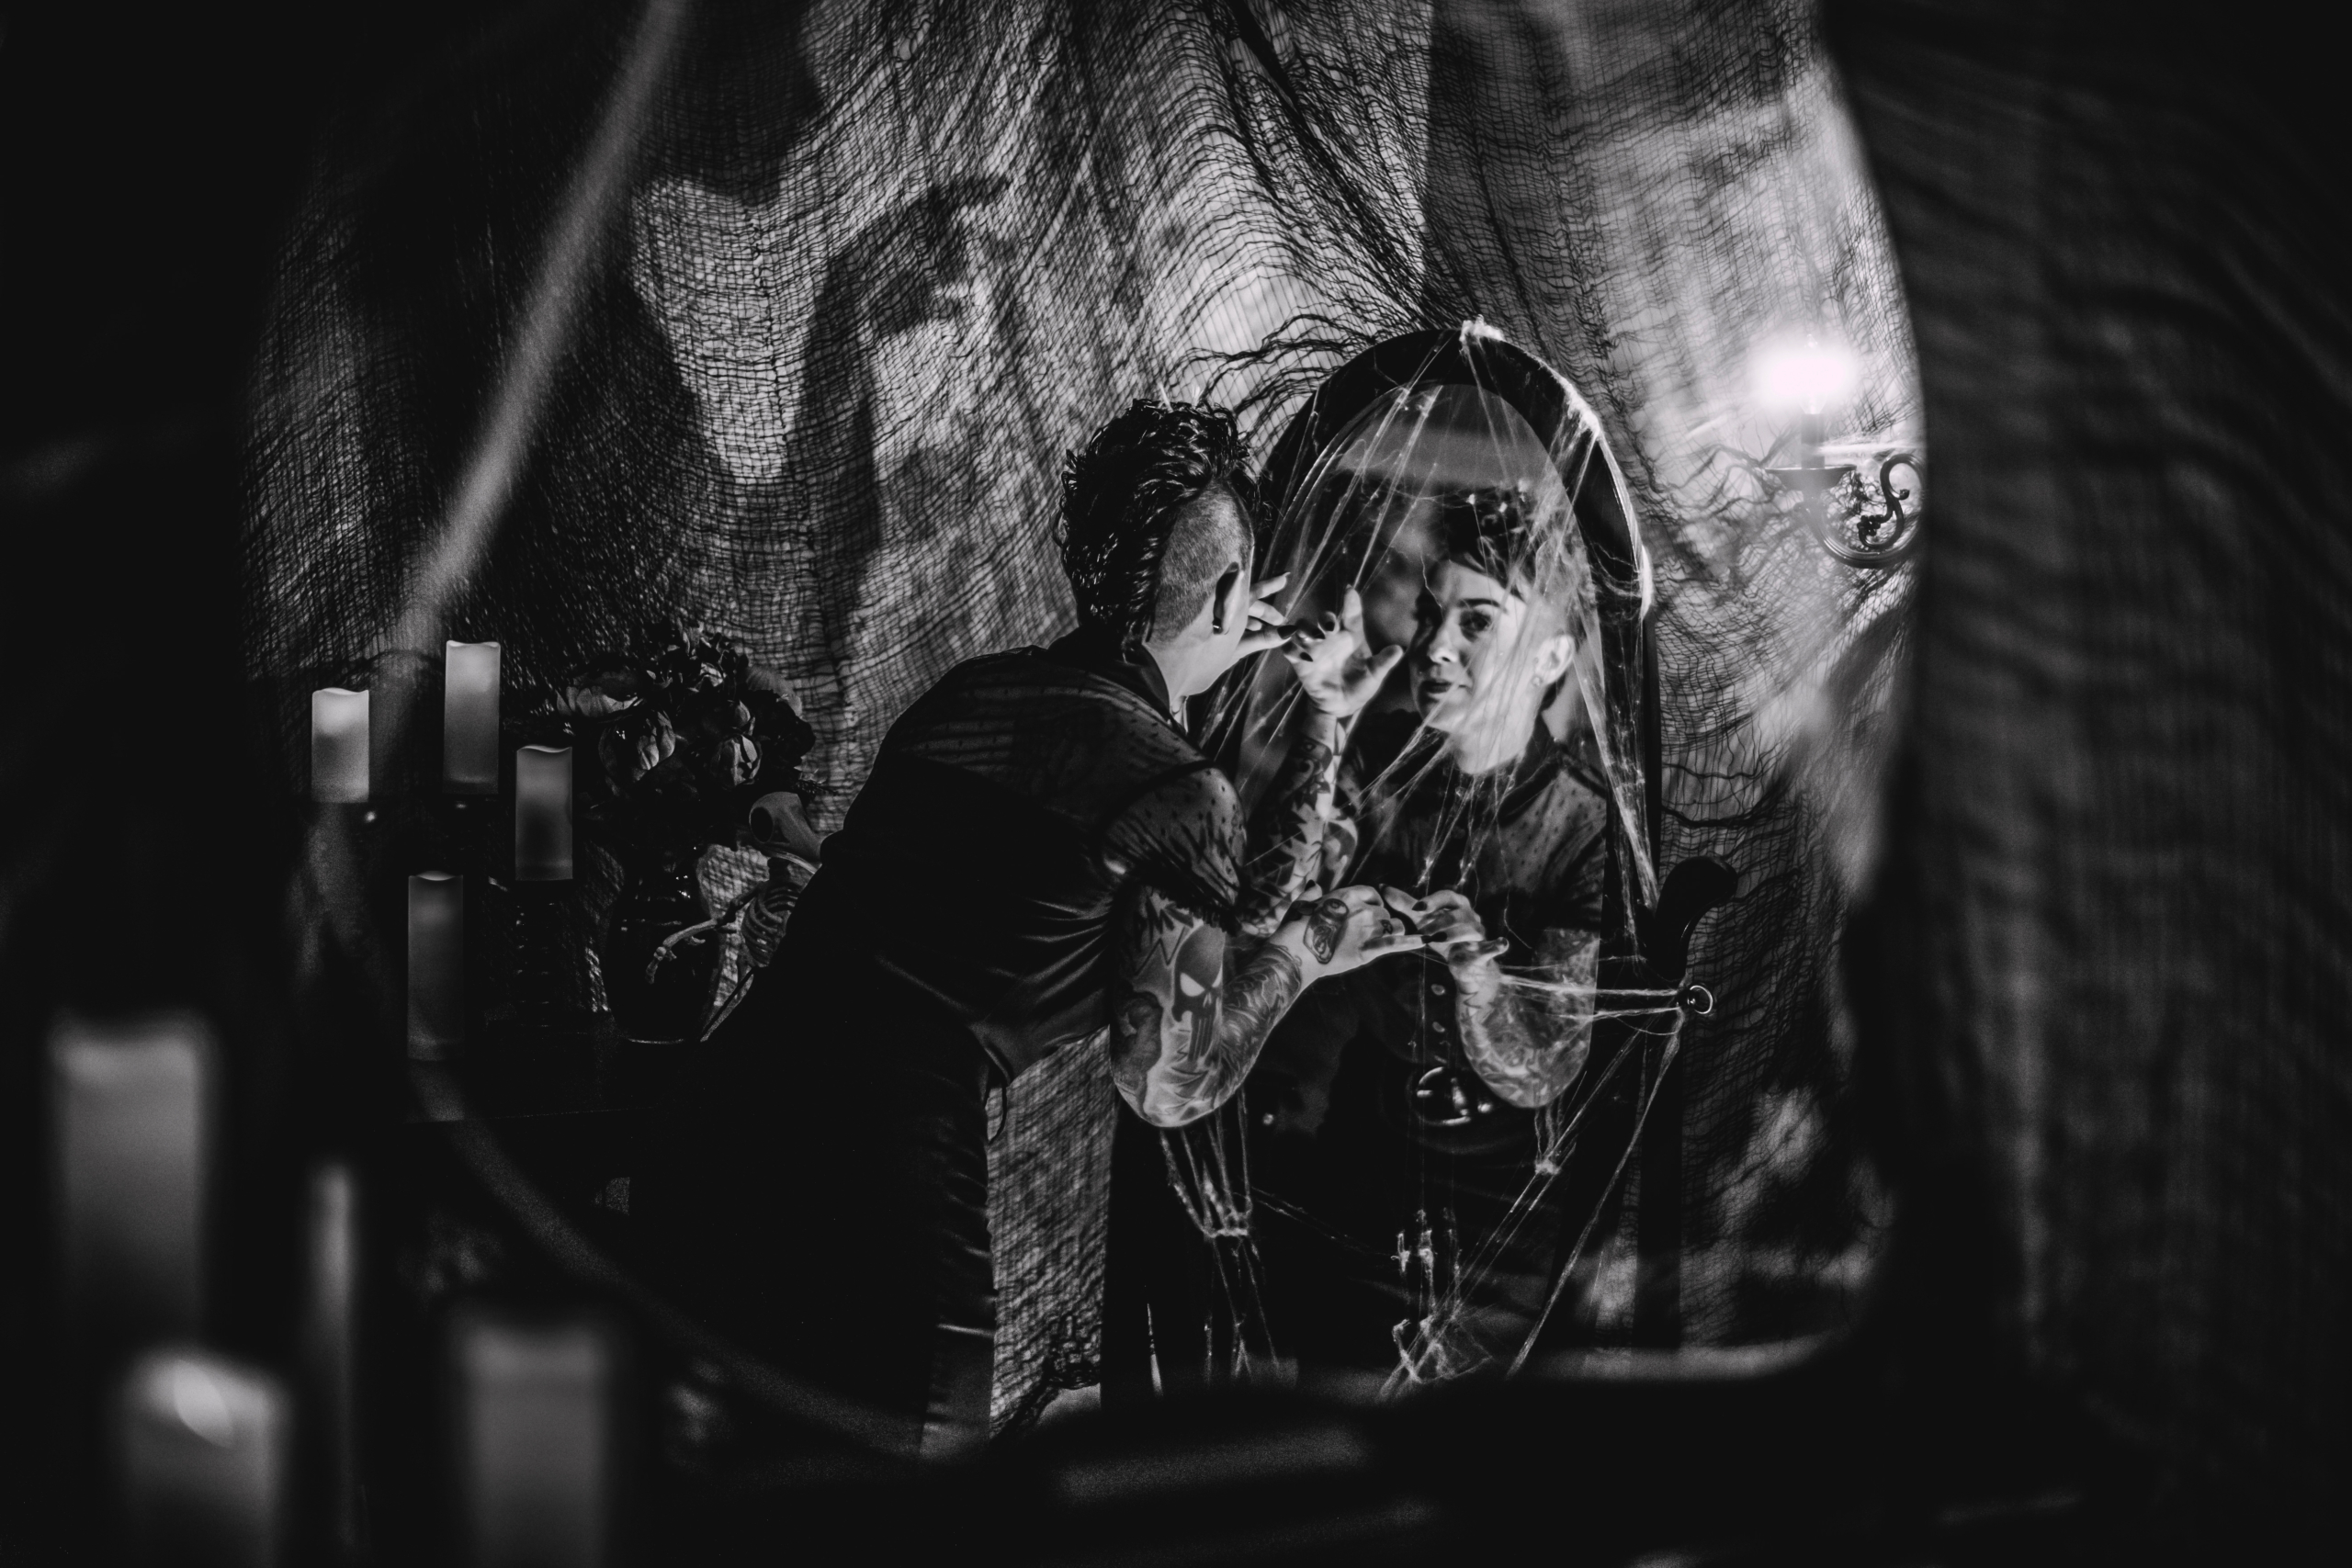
x: 976, y: 870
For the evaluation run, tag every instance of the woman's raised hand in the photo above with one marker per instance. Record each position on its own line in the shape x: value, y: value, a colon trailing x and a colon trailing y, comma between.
x: 1334, y: 664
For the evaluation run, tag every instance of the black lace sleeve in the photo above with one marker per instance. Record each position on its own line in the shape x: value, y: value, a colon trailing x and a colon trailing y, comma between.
x: 1184, y: 836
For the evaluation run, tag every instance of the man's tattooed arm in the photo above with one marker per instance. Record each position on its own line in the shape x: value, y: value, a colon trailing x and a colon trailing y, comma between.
x: 1339, y: 675
x: 1196, y: 1010
x: 1192, y: 1007
x: 1528, y: 1036
x: 1286, y: 840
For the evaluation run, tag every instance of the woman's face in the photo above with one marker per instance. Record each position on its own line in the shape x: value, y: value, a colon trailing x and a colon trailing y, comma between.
x: 1480, y: 658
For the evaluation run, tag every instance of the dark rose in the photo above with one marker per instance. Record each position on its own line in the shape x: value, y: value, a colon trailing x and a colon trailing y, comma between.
x: 638, y: 745
x: 728, y: 718
x: 603, y: 694
x: 785, y: 736
x: 734, y: 760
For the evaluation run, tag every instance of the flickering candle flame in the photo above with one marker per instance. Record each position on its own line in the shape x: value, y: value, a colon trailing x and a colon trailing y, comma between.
x: 130, y: 1103
x: 534, y: 1430
x: 338, y: 745
x: 469, y: 719
x: 201, y: 1452
x: 543, y: 814
x: 436, y: 964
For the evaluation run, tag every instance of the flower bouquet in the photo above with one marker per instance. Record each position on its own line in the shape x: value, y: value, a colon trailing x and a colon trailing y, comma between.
x: 676, y: 739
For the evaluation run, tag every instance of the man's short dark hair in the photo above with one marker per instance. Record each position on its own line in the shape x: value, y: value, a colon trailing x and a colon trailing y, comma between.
x: 1142, y: 534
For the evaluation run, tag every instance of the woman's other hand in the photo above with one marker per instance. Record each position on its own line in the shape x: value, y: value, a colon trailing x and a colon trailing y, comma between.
x: 1451, y: 930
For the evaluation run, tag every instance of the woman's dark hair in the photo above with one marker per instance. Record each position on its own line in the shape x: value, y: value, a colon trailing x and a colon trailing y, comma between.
x: 1494, y: 530
x: 1126, y: 491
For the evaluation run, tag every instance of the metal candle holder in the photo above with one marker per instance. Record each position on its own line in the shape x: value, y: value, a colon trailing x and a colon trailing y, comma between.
x: 1858, y: 528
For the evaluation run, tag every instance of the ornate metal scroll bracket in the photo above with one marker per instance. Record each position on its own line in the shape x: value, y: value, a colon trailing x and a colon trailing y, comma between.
x: 1857, y: 526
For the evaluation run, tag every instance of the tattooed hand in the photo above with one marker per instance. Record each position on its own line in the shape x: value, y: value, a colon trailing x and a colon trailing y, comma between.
x: 1528, y: 1041
x: 1352, y: 927
x: 1325, y: 923
x: 1452, y: 930
x: 1334, y: 664
x: 1194, y: 1007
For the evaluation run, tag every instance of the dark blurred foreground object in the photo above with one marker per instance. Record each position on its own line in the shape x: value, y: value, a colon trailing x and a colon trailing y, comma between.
x: 536, y: 1451
x: 200, y: 1462
x: 2105, y: 986
x: 1730, y: 1460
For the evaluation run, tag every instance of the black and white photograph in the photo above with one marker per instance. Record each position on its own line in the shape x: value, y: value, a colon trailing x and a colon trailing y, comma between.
x: 1147, y: 782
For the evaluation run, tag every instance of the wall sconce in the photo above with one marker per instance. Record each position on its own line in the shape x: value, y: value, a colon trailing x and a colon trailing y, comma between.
x: 1857, y: 526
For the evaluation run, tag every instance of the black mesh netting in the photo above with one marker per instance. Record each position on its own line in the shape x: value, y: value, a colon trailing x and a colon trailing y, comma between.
x: 868, y: 271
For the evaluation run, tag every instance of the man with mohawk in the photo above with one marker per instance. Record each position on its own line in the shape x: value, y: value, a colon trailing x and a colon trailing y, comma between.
x: 1041, y: 860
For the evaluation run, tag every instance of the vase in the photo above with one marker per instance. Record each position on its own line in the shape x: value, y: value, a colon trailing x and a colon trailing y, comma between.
x: 657, y: 992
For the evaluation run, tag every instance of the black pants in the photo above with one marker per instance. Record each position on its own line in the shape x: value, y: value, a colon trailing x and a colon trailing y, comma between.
x: 819, y: 1193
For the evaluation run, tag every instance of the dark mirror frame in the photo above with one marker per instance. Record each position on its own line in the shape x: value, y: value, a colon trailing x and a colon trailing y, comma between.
x: 1475, y: 356
x: 1644, y: 946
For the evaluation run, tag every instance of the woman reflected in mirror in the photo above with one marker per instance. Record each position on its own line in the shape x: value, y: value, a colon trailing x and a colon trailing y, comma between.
x: 1403, y: 1113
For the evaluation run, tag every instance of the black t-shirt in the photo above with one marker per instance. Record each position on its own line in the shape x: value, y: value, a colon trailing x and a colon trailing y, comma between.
x: 976, y: 874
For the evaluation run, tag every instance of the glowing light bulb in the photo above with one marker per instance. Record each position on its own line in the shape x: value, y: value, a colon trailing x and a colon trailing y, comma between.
x: 1805, y: 374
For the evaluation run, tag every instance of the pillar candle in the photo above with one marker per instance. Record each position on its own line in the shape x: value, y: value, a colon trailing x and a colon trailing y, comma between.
x: 338, y: 745
x: 131, y: 1108
x: 436, y: 964
x: 469, y: 719
x: 534, y: 1443
x: 330, y: 1354
x: 200, y: 1449
x: 543, y: 814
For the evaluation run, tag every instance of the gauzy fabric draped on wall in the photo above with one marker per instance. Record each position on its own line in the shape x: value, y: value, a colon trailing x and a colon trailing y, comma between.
x: 882, y: 265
